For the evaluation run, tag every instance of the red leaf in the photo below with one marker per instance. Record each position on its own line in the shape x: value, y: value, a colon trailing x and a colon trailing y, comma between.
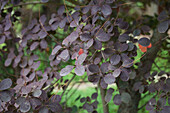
x: 142, y: 48
x: 150, y: 45
x: 81, y: 51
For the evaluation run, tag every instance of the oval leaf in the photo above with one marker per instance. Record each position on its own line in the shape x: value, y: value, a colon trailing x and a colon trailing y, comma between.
x: 115, y: 59
x: 5, y: 84
x: 79, y: 70
x: 109, y: 79
x: 144, y: 42
x: 65, y: 71
x: 163, y: 26
x: 93, y: 68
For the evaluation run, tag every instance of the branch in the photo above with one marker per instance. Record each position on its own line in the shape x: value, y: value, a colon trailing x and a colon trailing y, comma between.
x: 33, y: 3
x: 145, y: 96
x: 157, y: 66
x: 73, y: 2
x: 27, y: 3
x: 68, y: 85
x: 75, y: 88
x: 104, y: 103
x: 146, y: 103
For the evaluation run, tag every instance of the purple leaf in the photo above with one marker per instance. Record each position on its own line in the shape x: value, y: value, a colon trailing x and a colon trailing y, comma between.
x: 26, y: 89
x: 8, y: 61
x: 93, y: 68
x: 73, y: 36
x: 37, y: 93
x: 5, y: 96
x: 56, y: 49
x: 124, y: 37
x: 65, y: 71
x: 108, y: 96
x: 106, y: 10
x: 17, y: 59
x: 34, y: 45
x: 145, y: 28
x: 79, y: 70
x: 55, y: 98
x: 43, y: 18
x: 95, y: 9
x: 25, y: 106
x: 93, y: 78
x: 124, y: 75
x: 7, y: 23
x: 42, y: 34
x: 123, y: 25
x: 2, y: 39
x: 44, y: 110
x: 36, y: 28
x: 97, y: 44
x: 5, y: 84
x: 61, y: 10
x: 131, y: 46
x: 103, y: 84
x: 64, y: 54
x: 127, y: 63
x: 117, y: 99
x: 97, y: 60
x: 136, y: 32
x: 35, y: 102
x: 115, y: 59
x: 25, y: 71
x: 108, y: 51
x: 116, y: 72
x: 144, y: 42
x: 85, y: 9
x: 94, y: 96
x: 104, y: 67
x: 43, y: 44
x: 109, y: 79
x: 35, y: 65
x: 81, y: 59
x: 103, y: 36
x: 162, y: 16
x: 89, y: 44
x: 75, y: 22
x: 33, y: 23
x: 163, y: 26
x: 85, y: 36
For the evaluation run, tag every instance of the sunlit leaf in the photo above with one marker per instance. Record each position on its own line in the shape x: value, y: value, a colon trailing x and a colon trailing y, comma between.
x: 79, y: 70
x: 65, y: 71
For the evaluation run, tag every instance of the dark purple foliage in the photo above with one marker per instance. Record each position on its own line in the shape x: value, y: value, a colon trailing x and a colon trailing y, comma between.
x: 96, y: 41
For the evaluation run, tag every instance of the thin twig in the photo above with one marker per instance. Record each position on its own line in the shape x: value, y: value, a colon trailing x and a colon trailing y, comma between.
x: 157, y: 66
x: 45, y: 29
x: 32, y: 3
x: 27, y: 3
x: 69, y: 14
x: 68, y: 84
x: 145, y: 96
x: 92, y: 55
x: 133, y: 61
x: 102, y: 26
x: 76, y: 88
x: 146, y: 102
